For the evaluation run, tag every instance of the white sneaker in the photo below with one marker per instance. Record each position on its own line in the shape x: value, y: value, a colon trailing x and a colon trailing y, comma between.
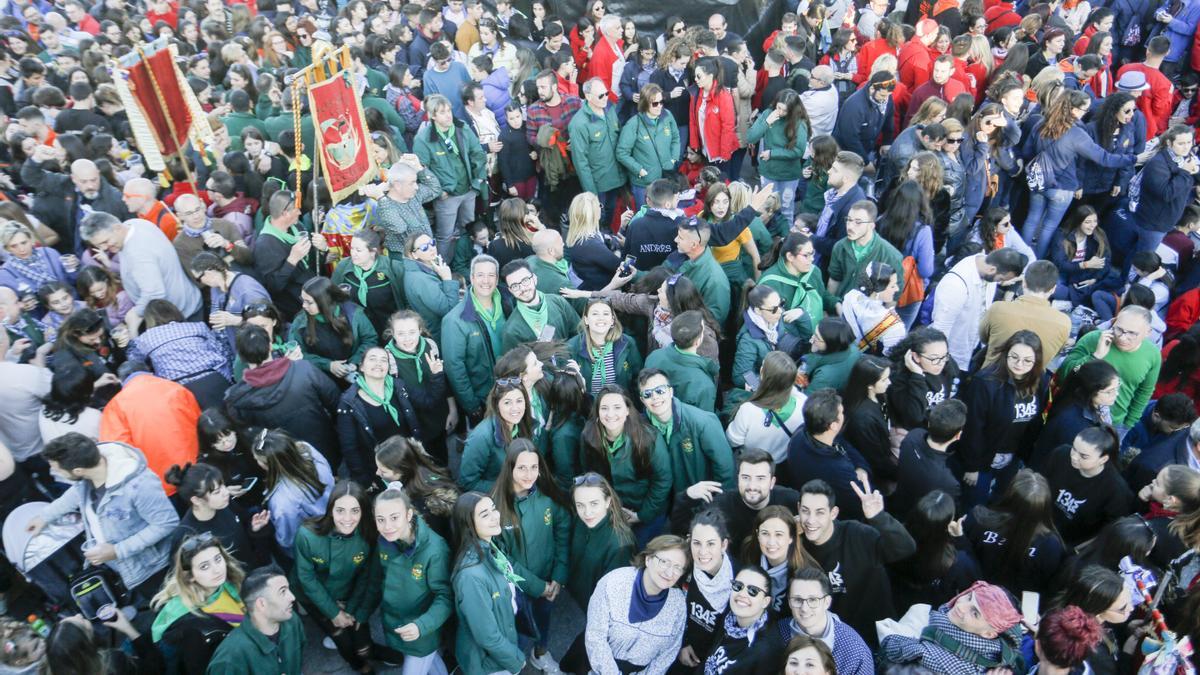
x: 544, y: 663
x: 327, y: 643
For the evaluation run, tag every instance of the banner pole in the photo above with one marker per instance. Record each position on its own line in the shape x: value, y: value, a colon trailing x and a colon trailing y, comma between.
x: 170, y: 123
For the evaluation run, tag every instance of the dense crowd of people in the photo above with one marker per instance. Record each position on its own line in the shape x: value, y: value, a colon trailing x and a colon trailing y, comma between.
x: 871, y: 347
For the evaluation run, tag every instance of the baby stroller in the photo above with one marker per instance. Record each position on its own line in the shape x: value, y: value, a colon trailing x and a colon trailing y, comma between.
x: 52, y: 560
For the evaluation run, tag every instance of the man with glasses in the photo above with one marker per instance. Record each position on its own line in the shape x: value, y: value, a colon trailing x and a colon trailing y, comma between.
x: 536, y: 317
x: 862, y: 246
x: 854, y: 553
x: 966, y: 293
x: 594, y: 133
x: 809, y: 597
x: 694, y: 438
x: 1124, y: 346
x: 821, y: 101
x: 198, y: 233
x: 453, y: 153
x: 141, y: 198
x: 230, y: 204
x: 648, y: 148
x: 471, y: 338
x: 694, y: 260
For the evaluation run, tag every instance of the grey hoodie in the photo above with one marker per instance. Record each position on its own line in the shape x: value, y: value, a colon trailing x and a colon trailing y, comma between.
x: 133, y: 514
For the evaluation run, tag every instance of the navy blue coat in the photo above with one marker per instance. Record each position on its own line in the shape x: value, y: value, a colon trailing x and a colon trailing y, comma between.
x: 1097, y: 179
x: 1070, y: 273
x: 809, y: 459
x: 1166, y: 190
x: 1069, y: 149
x: 860, y: 123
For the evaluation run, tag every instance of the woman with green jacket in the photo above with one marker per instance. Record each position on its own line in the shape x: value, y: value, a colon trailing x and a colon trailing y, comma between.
x: 798, y: 281
x: 784, y: 137
x: 601, y: 540
x: 428, y: 287
x: 484, y: 581
x: 605, y: 354
x: 537, y: 532
x: 648, y: 147
x: 410, y: 582
x: 373, y: 281
x: 834, y: 353
x: 621, y: 445
x: 762, y: 332
x: 508, y: 417
x: 331, y: 579
x: 333, y: 333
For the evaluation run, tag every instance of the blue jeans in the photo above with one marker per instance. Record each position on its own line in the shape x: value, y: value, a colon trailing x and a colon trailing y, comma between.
x: 639, y: 196
x: 786, y: 189
x: 1148, y: 240
x: 991, y: 481
x: 1046, y: 211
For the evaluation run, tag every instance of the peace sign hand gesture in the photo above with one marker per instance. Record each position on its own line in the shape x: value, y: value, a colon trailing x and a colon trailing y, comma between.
x: 872, y: 500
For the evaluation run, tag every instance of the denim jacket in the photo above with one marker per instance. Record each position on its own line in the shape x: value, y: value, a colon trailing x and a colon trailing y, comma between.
x: 133, y: 514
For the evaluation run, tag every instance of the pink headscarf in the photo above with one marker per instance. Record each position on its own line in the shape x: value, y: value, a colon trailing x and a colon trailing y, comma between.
x: 994, y: 604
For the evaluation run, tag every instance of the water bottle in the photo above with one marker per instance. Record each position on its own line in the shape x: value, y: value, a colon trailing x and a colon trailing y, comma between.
x: 40, y: 627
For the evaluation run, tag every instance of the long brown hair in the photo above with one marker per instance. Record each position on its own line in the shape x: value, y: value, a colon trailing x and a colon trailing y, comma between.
x: 328, y: 298
x: 287, y: 460
x: 422, y: 478
x: 777, y: 382
x: 616, y: 513
x: 1060, y: 118
x: 505, y: 497
x: 323, y: 524
x: 1079, y: 215
x: 798, y: 558
x: 637, y: 434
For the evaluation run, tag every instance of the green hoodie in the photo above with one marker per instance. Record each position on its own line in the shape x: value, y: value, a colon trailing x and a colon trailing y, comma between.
x: 411, y: 584
x: 331, y: 571
x: 539, y: 553
x: 487, y: 629
x: 693, y: 377
x: 594, y: 553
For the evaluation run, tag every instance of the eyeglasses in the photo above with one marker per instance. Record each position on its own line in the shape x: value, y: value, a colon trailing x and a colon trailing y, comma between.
x: 276, y: 179
x: 660, y: 390
x: 1122, y: 332
x: 189, y: 214
x: 671, y: 567
x: 524, y: 283
x: 589, y: 479
x: 935, y: 359
x: 655, y: 104
x: 954, y: 141
x: 1019, y: 361
x: 425, y: 246
x: 810, y: 603
x: 753, y: 590
x: 303, y: 36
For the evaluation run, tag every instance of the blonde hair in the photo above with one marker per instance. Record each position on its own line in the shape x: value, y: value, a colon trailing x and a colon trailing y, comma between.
x: 10, y: 229
x: 180, y: 584
x: 981, y: 51
x: 931, y: 108
x: 739, y: 196
x: 953, y: 125
x: 584, y: 218
x: 885, y: 63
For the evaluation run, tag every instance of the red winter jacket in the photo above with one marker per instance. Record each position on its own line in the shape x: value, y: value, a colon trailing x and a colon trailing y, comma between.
x: 1182, y: 313
x: 916, y: 63
x: 604, y: 57
x: 720, y: 139
x: 867, y: 55
x: 1155, y: 103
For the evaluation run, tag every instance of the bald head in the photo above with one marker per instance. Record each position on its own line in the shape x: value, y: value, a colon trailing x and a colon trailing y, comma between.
x: 139, y: 195
x: 86, y: 177
x: 548, y: 245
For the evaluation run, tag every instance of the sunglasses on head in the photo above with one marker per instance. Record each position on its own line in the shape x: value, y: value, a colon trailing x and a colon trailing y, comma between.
x: 589, y: 479
x: 508, y: 382
x: 197, y: 543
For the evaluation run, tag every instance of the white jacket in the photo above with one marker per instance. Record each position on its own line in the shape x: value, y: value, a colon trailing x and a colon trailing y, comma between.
x: 751, y: 427
x: 822, y: 108
x: 959, y: 303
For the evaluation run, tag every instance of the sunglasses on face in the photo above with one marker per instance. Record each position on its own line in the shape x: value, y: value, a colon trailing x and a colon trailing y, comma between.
x: 753, y: 590
x: 954, y: 141
x: 656, y: 104
x: 660, y: 390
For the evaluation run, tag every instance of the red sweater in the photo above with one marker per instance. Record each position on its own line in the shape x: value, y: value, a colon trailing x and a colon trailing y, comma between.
x: 867, y: 55
x: 719, y: 121
x: 604, y: 56
x: 916, y: 63
x: 1155, y: 102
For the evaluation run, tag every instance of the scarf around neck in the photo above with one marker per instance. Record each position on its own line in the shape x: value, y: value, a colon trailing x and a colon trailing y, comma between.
x: 491, y: 316
x: 772, y: 334
x: 290, y: 237
x: 715, y: 588
x: 504, y: 565
x: 402, y: 355
x: 36, y: 267
x: 363, y: 277
x: 643, y: 606
x: 536, y: 318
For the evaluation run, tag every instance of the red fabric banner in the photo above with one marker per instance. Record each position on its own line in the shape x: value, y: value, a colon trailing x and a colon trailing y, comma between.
x: 342, y: 136
x: 172, y: 102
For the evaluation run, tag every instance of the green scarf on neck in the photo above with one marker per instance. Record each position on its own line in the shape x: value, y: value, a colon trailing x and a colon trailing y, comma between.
x: 614, y: 446
x: 536, y: 318
x: 860, y: 251
x: 492, y: 316
x: 290, y: 237
x: 505, y: 566
x: 363, y: 280
x: 778, y: 416
x: 386, y: 401
x: 664, y: 428
x: 599, y: 369
x: 563, y: 266
x: 400, y: 355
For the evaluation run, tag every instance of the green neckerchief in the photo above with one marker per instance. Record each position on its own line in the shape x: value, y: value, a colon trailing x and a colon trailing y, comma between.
x: 613, y: 447
x: 386, y: 401
x: 860, y: 251
x: 505, y: 566
x: 400, y: 354
x: 778, y: 416
x: 362, y: 276
x: 447, y: 138
x: 664, y: 428
x: 563, y: 266
x: 536, y: 318
x: 803, y: 295
x: 320, y: 317
x: 290, y: 237
x: 492, y: 316
x: 599, y: 356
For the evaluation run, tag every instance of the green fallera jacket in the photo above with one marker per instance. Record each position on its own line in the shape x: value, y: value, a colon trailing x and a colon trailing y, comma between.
x: 487, y: 629
x: 594, y: 149
x: 560, y: 314
x: 706, y: 273
x: 246, y: 651
x: 539, y: 552
x: 411, y: 584
x: 468, y: 353
x: 594, y: 553
x: 332, y: 569
x: 428, y: 295
x: 698, y: 448
x: 627, y: 360
x: 649, y: 145
x: 693, y: 377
